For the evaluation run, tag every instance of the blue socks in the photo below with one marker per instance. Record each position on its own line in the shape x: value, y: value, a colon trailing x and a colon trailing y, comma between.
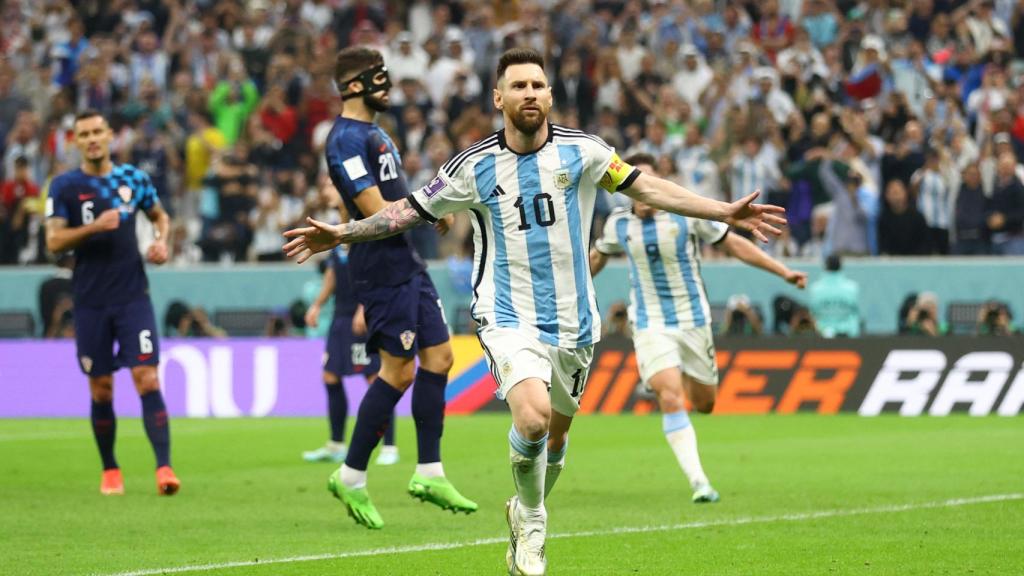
x: 104, y: 429
x: 428, y: 412
x: 154, y: 417
x: 337, y: 410
x: 375, y: 413
x: 675, y: 421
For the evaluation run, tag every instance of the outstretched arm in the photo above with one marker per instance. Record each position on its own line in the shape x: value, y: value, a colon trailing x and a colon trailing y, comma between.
x: 758, y: 219
x: 395, y: 218
x: 746, y: 251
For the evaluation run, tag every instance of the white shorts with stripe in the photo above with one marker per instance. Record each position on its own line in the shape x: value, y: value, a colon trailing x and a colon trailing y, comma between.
x: 514, y: 356
x: 692, y: 350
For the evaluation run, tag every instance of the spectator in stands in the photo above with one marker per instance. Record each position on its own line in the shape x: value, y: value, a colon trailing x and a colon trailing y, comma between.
x: 741, y: 319
x: 934, y: 199
x: 971, y: 228
x: 1006, y: 210
x: 994, y: 319
x: 835, y: 302
x: 15, y: 196
x: 902, y: 230
x: 848, y: 227
x: 184, y: 321
x: 923, y: 317
x: 232, y: 101
x: 233, y: 188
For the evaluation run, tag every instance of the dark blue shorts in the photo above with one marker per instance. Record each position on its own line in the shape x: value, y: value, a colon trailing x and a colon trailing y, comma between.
x: 131, y: 326
x: 402, y: 319
x: 346, y: 353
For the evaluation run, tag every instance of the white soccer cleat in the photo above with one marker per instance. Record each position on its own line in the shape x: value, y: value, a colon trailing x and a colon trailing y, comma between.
x: 527, y: 532
x: 388, y: 455
x: 704, y: 493
x: 330, y: 452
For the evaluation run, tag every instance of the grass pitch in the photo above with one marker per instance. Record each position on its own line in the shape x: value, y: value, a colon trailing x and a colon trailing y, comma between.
x: 801, y: 495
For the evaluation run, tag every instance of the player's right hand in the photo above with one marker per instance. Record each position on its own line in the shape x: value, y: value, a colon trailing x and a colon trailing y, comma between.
x: 317, y: 237
x: 108, y: 220
x: 313, y: 315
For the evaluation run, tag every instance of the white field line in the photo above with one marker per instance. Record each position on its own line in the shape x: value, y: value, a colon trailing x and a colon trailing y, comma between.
x: 741, y: 521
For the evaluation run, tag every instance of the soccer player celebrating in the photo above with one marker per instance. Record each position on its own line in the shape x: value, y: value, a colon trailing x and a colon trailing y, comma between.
x: 345, y: 355
x: 531, y: 189
x: 670, y: 313
x: 404, y: 317
x: 92, y: 210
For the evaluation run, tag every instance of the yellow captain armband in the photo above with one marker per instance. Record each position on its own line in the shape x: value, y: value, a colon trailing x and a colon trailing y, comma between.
x: 619, y: 175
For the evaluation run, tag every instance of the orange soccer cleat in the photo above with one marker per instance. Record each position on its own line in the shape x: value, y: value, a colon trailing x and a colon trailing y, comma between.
x: 112, y: 482
x: 167, y: 483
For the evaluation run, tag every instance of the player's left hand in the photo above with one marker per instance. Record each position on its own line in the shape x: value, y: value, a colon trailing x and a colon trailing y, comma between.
x: 317, y: 237
x: 444, y: 224
x: 796, y: 278
x: 157, y: 253
x: 758, y: 219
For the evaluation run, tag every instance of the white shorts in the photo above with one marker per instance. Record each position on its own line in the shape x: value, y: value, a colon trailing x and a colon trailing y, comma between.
x: 692, y: 350
x: 514, y: 356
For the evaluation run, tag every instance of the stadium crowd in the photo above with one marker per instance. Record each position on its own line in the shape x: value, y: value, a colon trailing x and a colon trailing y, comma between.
x: 885, y: 127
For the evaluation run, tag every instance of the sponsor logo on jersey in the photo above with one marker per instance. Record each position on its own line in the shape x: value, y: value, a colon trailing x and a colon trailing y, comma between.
x: 407, y: 339
x: 125, y: 193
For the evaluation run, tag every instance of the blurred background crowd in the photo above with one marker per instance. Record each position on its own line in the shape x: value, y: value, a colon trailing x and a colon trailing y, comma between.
x: 885, y: 127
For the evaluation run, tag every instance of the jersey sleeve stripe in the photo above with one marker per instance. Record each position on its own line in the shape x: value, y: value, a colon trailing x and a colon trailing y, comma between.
x: 570, y: 133
x: 451, y: 166
x: 721, y: 238
x: 421, y: 210
x: 456, y: 165
x: 628, y: 181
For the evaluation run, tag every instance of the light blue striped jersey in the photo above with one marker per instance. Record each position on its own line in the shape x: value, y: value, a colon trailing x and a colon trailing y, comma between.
x: 531, y: 216
x: 666, y: 289
x: 933, y: 197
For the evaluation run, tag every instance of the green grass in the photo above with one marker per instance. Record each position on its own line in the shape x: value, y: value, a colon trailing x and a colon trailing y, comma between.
x: 246, y: 495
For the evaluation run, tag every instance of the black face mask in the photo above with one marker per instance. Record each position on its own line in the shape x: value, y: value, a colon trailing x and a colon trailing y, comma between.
x: 368, y: 79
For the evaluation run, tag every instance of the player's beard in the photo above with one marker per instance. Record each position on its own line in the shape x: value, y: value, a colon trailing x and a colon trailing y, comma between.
x: 375, y: 101
x: 528, y: 124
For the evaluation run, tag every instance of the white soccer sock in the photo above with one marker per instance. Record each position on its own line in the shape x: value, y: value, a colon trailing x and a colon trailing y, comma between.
x: 528, y: 458
x: 353, y: 478
x: 683, y: 439
x: 556, y: 462
x: 430, y: 470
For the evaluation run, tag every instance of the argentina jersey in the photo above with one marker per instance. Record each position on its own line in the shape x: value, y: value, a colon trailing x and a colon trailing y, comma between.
x: 531, y: 216
x: 666, y: 289
x: 108, y: 267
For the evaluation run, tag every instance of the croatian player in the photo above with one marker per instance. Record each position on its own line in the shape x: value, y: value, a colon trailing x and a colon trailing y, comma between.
x: 404, y: 317
x: 531, y: 189
x: 92, y: 211
x: 345, y: 355
x: 670, y: 313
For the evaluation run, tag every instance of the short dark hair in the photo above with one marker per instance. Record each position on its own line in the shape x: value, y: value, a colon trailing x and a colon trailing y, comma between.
x: 640, y: 158
x: 353, y: 60
x: 20, y: 162
x: 88, y: 113
x: 833, y: 263
x: 514, y: 56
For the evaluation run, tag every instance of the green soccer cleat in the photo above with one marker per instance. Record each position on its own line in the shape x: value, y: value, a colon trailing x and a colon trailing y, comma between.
x: 704, y: 494
x: 357, y: 501
x: 440, y: 491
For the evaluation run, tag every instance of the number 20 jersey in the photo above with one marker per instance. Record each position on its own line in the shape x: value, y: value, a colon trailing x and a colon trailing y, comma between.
x: 531, y: 216
x: 361, y: 155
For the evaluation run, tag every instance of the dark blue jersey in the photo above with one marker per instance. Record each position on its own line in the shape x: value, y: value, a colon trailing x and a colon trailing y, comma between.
x: 344, y: 297
x: 108, y: 266
x: 361, y: 155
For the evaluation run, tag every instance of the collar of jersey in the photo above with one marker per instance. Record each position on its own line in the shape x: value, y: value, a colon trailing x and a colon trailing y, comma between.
x: 504, y: 144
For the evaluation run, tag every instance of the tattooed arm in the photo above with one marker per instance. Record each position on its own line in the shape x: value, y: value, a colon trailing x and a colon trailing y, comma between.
x: 395, y: 218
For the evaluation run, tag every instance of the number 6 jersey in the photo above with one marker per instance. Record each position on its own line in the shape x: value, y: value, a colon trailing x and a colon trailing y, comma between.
x: 531, y: 216
x: 108, y: 266
x: 361, y: 155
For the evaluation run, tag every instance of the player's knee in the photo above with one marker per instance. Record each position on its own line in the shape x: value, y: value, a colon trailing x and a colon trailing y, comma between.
x: 533, y: 422
x: 146, y: 380
x: 671, y: 401
x: 102, y: 389
x: 330, y: 378
x: 439, y: 360
x: 704, y: 405
x: 556, y: 443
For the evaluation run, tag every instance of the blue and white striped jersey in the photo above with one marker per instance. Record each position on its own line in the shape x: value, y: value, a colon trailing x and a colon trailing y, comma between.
x: 933, y: 198
x: 666, y: 289
x: 531, y: 216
